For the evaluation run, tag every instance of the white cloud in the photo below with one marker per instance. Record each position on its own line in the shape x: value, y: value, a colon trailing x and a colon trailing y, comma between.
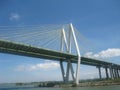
x: 47, y: 65
x: 14, y: 16
x: 111, y: 52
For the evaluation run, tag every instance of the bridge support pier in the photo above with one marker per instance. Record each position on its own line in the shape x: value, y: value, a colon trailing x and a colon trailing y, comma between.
x: 99, y: 69
x: 119, y: 72
x: 115, y: 73
x: 62, y: 70
x: 107, y: 75
x: 67, y: 42
x: 111, y: 72
x: 67, y: 74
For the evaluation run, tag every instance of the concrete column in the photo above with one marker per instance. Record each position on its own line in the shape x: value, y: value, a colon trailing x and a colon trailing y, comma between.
x: 68, y: 71
x: 62, y: 70
x: 72, y: 72
x: 117, y: 73
x: 111, y: 73
x: 99, y: 69
x: 106, y: 70
x: 66, y: 74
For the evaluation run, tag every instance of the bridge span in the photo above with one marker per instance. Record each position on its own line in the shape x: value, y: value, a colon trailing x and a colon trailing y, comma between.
x: 30, y: 51
x: 63, y: 55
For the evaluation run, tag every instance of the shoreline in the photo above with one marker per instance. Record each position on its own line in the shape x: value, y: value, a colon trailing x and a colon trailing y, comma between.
x: 92, y: 83
x: 98, y: 83
x: 60, y: 84
x: 87, y: 84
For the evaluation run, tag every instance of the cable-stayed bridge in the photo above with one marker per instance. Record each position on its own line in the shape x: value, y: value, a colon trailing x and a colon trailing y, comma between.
x: 59, y: 43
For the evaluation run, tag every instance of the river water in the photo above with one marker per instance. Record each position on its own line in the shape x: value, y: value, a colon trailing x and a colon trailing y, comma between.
x: 115, y: 87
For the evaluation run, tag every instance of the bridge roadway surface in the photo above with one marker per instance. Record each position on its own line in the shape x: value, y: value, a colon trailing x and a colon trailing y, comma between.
x: 31, y: 51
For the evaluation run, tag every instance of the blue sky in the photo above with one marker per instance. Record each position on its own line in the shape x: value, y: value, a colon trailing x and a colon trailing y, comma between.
x: 97, y: 20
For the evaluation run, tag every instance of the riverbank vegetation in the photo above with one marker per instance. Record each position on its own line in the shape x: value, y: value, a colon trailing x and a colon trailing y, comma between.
x: 83, y: 83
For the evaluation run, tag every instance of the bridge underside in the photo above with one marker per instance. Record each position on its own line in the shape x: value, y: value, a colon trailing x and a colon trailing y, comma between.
x: 30, y: 51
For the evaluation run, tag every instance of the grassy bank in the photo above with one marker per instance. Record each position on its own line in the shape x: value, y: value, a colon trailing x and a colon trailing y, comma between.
x: 83, y: 83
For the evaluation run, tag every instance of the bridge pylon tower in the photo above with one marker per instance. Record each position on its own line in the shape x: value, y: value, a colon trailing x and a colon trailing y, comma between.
x: 66, y: 46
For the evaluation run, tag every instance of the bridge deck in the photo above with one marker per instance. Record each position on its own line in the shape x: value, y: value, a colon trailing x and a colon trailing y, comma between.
x: 30, y: 51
